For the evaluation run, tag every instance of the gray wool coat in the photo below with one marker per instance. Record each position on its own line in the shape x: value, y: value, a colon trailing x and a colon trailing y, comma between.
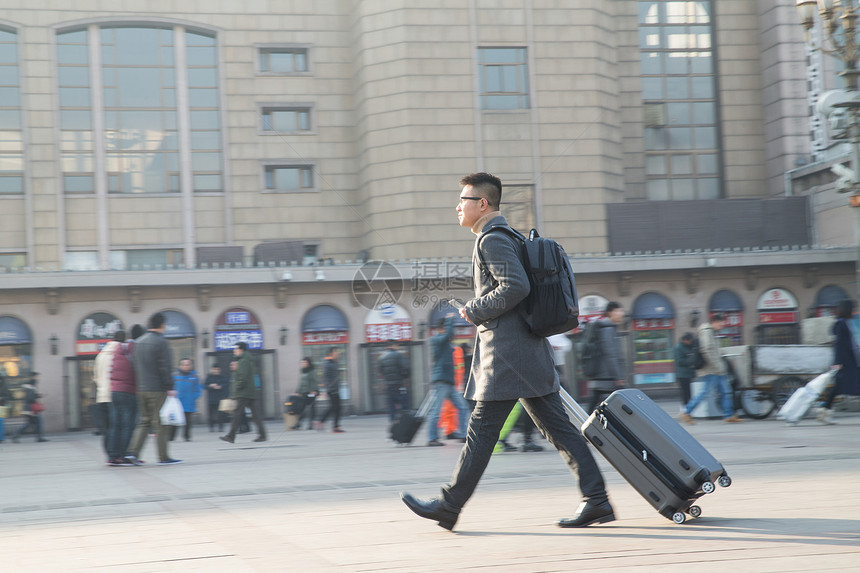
x: 509, y: 361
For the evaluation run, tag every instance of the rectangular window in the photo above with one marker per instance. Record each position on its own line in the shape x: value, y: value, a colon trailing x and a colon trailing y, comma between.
x: 679, y: 99
x: 519, y: 205
x: 12, y: 261
x: 287, y: 119
x: 503, y: 78
x: 289, y: 178
x: 11, y: 135
x: 283, y: 60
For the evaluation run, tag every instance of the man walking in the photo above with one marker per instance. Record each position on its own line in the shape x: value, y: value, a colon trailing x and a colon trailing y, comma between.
x: 442, y: 378
x: 217, y: 388
x: 714, y: 372
x: 395, y: 370
x: 611, y: 374
x: 152, y: 360
x: 331, y: 383
x: 509, y: 363
x: 245, y: 393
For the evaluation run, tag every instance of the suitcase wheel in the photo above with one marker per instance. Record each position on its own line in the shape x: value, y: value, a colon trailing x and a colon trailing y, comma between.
x: 708, y: 487
x: 695, y: 511
x: 724, y: 481
x: 679, y: 517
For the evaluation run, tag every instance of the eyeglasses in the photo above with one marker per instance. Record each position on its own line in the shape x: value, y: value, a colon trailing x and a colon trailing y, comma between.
x: 469, y: 199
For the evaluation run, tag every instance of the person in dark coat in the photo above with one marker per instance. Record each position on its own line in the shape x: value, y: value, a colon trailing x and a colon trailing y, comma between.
x: 611, y: 375
x: 217, y: 389
x: 245, y: 392
x: 394, y: 369
x: 34, y: 417
x: 685, y: 352
x: 510, y: 363
x: 846, y: 357
x: 331, y: 383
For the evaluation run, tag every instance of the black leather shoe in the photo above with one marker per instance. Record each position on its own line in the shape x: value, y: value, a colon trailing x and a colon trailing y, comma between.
x: 588, y: 514
x: 434, y: 509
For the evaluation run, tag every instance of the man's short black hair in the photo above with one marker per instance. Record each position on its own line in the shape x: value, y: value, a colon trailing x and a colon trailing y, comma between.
x: 156, y: 321
x: 845, y: 308
x: 612, y: 305
x: 717, y: 317
x: 242, y: 345
x: 485, y: 185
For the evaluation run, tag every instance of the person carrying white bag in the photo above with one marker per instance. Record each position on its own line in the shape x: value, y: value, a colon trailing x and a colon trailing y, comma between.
x: 798, y: 404
x: 172, y: 413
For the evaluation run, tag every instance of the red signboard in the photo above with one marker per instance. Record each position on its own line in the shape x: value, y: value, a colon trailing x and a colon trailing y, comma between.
x: 341, y: 337
x: 388, y: 331
x: 654, y: 324
x: 94, y: 332
x: 788, y: 317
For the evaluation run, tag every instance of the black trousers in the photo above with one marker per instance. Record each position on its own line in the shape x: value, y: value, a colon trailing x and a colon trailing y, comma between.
x: 548, y: 413
x: 241, y: 404
x: 216, y: 417
x: 685, y: 390
x: 333, y: 409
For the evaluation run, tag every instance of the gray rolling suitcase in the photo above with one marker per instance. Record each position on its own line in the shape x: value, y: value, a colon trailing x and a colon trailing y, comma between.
x: 659, y: 458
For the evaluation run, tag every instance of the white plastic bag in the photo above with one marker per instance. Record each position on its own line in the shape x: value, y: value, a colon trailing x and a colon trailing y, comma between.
x: 172, y: 413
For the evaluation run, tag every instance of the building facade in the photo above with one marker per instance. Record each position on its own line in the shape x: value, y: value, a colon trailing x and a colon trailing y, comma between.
x: 246, y: 166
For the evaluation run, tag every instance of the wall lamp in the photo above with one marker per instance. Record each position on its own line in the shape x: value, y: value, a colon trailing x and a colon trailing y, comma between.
x: 54, y: 344
x: 204, y: 338
x: 284, y: 331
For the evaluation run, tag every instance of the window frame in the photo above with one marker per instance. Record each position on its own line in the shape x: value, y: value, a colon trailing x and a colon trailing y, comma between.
x: 268, y: 166
x: 260, y: 49
x: 263, y: 107
x: 523, y: 69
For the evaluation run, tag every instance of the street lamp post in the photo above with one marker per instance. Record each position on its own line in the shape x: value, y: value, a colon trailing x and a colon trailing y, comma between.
x: 839, y: 24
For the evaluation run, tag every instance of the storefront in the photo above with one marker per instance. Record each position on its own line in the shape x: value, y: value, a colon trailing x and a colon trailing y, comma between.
x: 92, y: 334
x: 653, y: 325
x: 181, y: 337
x: 386, y: 323
x: 827, y: 299
x: 730, y: 306
x: 16, y: 359
x: 325, y: 327
x: 235, y: 325
x: 777, y: 317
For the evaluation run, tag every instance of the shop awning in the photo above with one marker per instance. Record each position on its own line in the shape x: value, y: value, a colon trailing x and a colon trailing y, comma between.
x: 178, y: 325
x: 324, y: 318
x: 725, y: 301
x: 830, y: 296
x: 14, y: 331
x: 653, y: 305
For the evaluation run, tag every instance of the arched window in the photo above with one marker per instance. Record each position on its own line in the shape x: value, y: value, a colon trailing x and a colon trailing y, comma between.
x: 139, y: 109
x: 11, y: 132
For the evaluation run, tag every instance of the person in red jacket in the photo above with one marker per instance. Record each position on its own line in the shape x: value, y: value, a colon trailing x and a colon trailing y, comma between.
x: 123, y: 405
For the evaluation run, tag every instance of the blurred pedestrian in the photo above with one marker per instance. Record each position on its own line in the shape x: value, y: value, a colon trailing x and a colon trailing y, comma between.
x: 714, y: 372
x: 244, y: 390
x: 442, y: 383
x: 188, y: 390
x: 123, y: 405
x: 102, y: 379
x: 4, y: 403
x: 152, y: 360
x: 308, y: 389
x: 685, y: 356
x: 394, y: 369
x: 612, y: 373
x: 217, y: 389
x: 846, y: 357
x: 32, y: 410
x: 331, y: 383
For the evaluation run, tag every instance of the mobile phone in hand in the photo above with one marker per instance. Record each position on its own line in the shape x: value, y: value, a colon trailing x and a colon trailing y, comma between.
x: 455, y: 303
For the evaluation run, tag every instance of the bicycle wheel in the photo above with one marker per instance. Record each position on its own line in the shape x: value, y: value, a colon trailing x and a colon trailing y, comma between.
x: 756, y: 403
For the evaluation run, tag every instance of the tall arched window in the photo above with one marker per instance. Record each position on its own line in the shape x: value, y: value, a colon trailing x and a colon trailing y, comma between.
x: 11, y: 133
x: 139, y: 110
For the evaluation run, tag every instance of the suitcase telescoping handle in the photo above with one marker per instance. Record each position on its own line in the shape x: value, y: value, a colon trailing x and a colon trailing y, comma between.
x: 573, y: 408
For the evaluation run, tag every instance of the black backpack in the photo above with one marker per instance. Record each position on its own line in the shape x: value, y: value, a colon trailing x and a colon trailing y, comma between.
x: 698, y: 358
x: 551, y: 306
x: 592, y: 350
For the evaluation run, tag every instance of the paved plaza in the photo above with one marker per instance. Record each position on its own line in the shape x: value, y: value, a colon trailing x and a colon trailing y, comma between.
x: 311, y: 501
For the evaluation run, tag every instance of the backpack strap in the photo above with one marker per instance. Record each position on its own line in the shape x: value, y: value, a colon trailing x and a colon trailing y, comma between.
x: 511, y: 232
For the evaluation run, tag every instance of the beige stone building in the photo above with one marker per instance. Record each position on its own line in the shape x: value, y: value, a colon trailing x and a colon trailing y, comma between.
x: 237, y: 163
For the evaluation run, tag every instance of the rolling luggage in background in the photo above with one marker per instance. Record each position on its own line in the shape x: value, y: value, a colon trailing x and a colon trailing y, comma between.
x: 659, y: 458
x: 798, y: 404
x: 404, y: 428
x: 293, y: 408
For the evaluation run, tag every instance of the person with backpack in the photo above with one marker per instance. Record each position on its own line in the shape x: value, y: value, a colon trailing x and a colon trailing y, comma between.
x: 714, y: 372
x: 686, y: 358
x: 605, y: 369
x: 510, y: 363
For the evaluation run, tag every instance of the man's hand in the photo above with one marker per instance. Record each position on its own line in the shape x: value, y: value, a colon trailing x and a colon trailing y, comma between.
x: 465, y: 316
x: 171, y: 392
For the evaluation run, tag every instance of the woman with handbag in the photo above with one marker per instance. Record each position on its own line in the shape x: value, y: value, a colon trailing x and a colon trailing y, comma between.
x: 32, y: 410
